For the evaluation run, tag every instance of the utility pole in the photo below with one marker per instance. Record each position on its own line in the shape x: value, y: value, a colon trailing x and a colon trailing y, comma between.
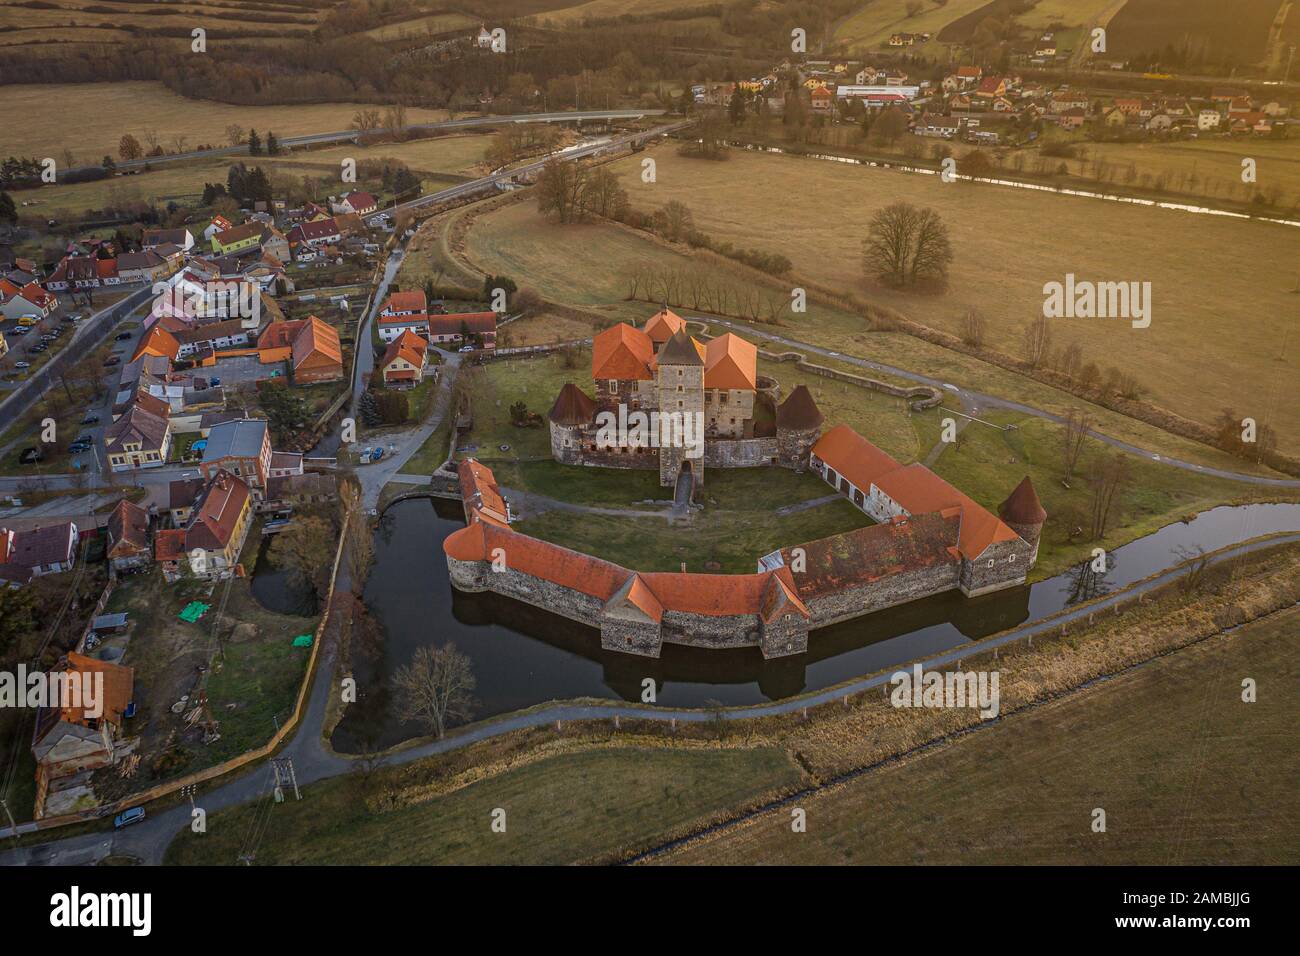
x: 284, y: 774
x: 13, y: 827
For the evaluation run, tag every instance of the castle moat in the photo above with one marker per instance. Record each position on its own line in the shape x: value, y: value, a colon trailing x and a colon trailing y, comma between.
x: 523, y: 655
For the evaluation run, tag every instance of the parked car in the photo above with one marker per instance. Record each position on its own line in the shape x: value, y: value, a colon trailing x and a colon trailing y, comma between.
x: 22, y: 364
x: 85, y: 439
x: 90, y: 420
x: 30, y: 456
x: 112, y: 360
x: 122, y: 336
x: 466, y: 348
x: 19, y: 330
x: 128, y: 817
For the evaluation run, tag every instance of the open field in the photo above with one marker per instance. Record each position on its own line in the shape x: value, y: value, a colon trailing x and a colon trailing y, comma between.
x: 1186, y: 772
x: 1072, y: 13
x: 512, y: 239
x: 1237, y: 30
x: 872, y: 24
x: 600, y: 9
x: 440, y: 161
x: 423, y: 26
x: 549, y: 808
x: 106, y: 111
x: 1211, y: 328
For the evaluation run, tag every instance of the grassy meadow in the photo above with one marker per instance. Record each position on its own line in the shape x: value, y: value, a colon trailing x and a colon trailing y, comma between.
x: 558, y: 810
x: 513, y: 240
x: 105, y: 111
x: 1222, y: 290
x: 1186, y: 772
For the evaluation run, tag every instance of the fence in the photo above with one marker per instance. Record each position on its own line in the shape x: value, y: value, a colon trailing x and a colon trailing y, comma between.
x: 234, y: 763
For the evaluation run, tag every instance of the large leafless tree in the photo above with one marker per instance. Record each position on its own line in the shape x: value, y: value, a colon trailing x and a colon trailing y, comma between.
x: 436, y: 688
x: 905, y: 244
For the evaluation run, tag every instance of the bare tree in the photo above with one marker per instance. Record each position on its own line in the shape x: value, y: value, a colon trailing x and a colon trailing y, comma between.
x: 234, y: 134
x: 395, y: 120
x: 560, y: 186
x: 1077, y: 425
x: 1038, y: 341
x: 1111, y: 475
x: 905, y: 244
x: 972, y: 328
x: 363, y: 121
x: 435, y: 688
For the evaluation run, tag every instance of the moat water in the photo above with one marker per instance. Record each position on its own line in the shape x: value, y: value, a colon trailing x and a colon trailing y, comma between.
x: 523, y: 655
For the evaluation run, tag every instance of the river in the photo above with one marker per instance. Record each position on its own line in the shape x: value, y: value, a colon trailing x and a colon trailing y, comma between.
x: 522, y: 655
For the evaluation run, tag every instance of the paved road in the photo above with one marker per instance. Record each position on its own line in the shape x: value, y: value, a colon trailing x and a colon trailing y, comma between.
x: 974, y: 400
x: 348, y: 135
x: 313, y: 762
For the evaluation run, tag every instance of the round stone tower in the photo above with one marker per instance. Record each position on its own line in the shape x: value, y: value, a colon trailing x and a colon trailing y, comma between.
x: 1023, y: 513
x: 570, y: 417
x: 798, y: 425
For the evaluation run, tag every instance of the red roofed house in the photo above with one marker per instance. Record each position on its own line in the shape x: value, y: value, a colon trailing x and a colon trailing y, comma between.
x: 404, y: 360
x: 81, y: 732
x: 218, y: 526
x: 29, y: 554
x: 31, y: 299
x: 317, y: 355
x: 453, y: 327
x: 404, y: 312
x: 128, y: 537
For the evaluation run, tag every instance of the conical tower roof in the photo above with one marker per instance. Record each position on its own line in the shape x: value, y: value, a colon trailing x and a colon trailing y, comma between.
x: 680, y: 350
x: 799, y: 411
x: 1022, y: 505
x: 572, y: 406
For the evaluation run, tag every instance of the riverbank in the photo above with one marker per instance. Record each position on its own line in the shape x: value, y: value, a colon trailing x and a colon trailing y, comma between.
x: 829, y: 741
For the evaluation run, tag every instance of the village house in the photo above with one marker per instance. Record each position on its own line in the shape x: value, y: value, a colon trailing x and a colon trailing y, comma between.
x: 128, y: 537
x: 70, y: 742
x: 30, y: 299
x: 214, y: 535
x: 181, y: 237
x: 453, y: 327
x: 404, y: 360
x: 38, y: 551
x: 404, y: 312
x: 141, y: 437
x: 241, y: 448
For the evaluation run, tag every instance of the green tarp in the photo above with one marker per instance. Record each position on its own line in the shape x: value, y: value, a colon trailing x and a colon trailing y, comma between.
x: 302, y: 640
x: 193, y: 611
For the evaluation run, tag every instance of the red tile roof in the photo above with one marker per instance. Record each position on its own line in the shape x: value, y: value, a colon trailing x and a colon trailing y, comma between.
x: 622, y: 352
x: 730, y: 362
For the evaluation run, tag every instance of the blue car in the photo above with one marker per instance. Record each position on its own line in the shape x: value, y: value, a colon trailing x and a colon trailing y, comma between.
x: 128, y: 817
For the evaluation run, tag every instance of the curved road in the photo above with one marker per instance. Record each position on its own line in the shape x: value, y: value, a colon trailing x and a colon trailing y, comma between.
x: 977, y: 400
x: 312, y: 761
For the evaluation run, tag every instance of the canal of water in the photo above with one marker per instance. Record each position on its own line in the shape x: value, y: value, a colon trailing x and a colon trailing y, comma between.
x: 523, y: 655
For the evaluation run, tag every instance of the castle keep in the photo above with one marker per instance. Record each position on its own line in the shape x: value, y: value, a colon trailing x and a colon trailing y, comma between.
x: 661, y: 373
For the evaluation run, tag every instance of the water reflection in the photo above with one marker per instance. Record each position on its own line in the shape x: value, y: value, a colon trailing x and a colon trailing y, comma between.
x: 524, y: 655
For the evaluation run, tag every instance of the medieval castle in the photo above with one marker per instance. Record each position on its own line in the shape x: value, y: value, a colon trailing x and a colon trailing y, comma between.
x: 929, y: 537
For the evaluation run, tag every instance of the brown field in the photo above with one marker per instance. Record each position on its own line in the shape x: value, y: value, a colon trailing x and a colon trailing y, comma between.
x: 1186, y: 772
x: 587, y: 265
x: 1212, y: 328
x: 442, y: 161
x: 423, y: 26
x: 18, y: 17
x: 870, y: 26
x: 106, y: 111
x: 598, y: 9
x: 1238, y: 29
